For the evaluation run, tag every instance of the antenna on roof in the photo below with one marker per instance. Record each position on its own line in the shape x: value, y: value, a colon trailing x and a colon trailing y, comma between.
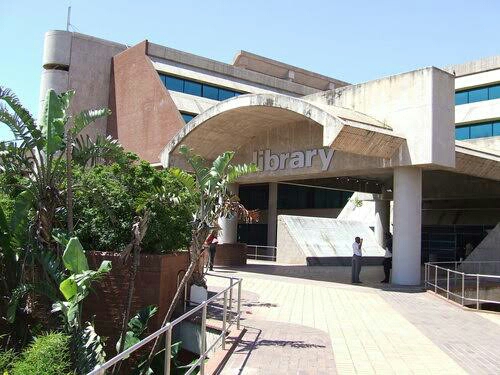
x: 68, y: 19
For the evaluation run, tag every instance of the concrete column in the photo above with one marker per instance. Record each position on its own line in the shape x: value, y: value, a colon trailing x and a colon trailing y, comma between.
x: 407, y: 226
x: 272, y: 214
x: 229, y: 225
x: 382, y: 220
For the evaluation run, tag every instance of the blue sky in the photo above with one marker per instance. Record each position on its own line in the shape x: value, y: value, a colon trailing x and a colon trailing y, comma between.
x: 354, y: 41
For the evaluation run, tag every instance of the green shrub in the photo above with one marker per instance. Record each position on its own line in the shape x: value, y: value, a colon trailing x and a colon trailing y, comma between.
x: 48, y: 354
x: 7, y: 359
x: 108, y: 197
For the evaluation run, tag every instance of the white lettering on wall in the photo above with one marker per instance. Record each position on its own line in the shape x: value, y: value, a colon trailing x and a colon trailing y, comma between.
x: 269, y: 162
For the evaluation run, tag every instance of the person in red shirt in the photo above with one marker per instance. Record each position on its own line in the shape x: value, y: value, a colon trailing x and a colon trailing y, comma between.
x: 212, y: 241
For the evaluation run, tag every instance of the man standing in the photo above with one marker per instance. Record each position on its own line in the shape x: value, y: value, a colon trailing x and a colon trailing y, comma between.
x: 387, y: 258
x: 212, y: 241
x: 356, y: 260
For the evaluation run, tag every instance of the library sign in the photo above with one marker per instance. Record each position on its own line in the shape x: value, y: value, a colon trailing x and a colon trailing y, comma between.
x: 268, y: 161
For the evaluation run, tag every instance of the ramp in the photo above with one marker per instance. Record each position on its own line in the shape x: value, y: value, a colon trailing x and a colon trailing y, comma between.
x: 488, y: 249
x: 323, y: 241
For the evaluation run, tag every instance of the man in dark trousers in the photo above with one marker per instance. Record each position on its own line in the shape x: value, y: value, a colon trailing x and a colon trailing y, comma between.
x: 212, y: 241
x: 356, y: 260
x: 387, y: 263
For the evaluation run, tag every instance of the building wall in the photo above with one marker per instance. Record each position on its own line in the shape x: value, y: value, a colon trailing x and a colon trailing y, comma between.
x: 74, y: 61
x: 144, y: 117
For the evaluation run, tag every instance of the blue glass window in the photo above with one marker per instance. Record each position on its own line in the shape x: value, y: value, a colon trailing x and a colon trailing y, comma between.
x: 496, y: 128
x: 210, y: 92
x: 192, y: 88
x: 174, y: 83
x: 462, y: 133
x: 197, y: 88
x: 494, y: 92
x: 187, y: 117
x: 481, y: 130
x: 461, y: 97
x: 477, y: 95
x: 225, y: 94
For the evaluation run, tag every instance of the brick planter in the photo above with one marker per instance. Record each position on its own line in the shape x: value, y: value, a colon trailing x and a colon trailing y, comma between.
x: 234, y: 254
x: 155, y: 284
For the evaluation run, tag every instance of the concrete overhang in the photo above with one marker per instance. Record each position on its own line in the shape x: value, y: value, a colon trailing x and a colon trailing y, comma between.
x: 477, y: 161
x: 235, y: 122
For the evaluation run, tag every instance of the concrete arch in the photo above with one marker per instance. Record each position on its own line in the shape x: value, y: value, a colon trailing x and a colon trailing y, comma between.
x: 233, y: 122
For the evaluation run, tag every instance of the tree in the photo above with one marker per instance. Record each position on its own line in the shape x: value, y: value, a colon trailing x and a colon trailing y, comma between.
x: 211, y: 183
x: 40, y: 150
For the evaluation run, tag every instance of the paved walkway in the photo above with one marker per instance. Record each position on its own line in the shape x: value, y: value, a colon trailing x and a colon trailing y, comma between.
x: 294, y: 313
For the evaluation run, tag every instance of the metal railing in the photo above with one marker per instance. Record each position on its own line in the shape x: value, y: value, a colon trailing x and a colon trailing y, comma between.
x: 256, y: 252
x: 464, y: 283
x: 227, y: 310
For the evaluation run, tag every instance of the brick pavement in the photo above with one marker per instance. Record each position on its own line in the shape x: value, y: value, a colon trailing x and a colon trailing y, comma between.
x: 372, y: 328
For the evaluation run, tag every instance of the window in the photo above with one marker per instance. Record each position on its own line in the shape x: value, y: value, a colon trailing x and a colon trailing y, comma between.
x: 174, y: 83
x: 300, y: 197
x: 461, y: 98
x: 210, y: 92
x: 197, y: 88
x: 477, y: 94
x: 462, y: 133
x: 496, y: 128
x: 187, y: 116
x: 479, y: 130
x: 192, y: 88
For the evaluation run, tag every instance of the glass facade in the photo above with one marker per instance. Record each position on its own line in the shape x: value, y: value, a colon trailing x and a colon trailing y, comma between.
x: 197, y: 88
x: 477, y: 94
x: 479, y: 130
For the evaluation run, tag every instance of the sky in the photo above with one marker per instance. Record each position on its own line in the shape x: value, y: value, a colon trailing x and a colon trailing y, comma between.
x: 354, y: 41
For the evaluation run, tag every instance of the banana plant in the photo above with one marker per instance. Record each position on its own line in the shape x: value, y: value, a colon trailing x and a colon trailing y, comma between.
x: 87, y: 345
x: 41, y: 151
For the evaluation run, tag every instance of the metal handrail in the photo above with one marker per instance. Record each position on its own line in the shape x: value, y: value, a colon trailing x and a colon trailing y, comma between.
x: 256, y: 256
x: 433, y: 286
x: 167, y: 330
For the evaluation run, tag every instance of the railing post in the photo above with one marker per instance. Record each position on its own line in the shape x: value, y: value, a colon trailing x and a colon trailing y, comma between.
x: 224, y: 311
x: 435, y: 278
x: 168, y: 350
x: 230, y: 294
x: 203, y: 343
x: 477, y: 292
x: 425, y: 275
x: 255, y: 256
x: 463, y: 288
x: 448, y: 283
x: 239, y: 306
x: 185, y: 295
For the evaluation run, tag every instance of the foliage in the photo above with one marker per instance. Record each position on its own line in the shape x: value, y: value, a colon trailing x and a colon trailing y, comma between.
x: 7, y: 359
x: 40, y: 150
x: 111, y: 196
x: 137, y: 325
x: 48, y: 354
x: 86, y: 345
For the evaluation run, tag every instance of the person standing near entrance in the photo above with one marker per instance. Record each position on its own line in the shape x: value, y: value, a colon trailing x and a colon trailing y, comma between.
x: 212, y: 241
x: 387, y: 258
x: 357, y: 254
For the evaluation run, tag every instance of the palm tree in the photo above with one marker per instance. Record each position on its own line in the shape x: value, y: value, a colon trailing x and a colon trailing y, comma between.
x: 40, y: 150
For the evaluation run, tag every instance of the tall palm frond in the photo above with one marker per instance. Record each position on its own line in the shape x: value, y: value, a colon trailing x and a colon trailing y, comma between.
x: 89, y: 152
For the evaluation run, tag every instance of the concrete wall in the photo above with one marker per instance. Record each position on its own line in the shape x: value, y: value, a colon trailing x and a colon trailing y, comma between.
x: 491, y: 143
x: 82, y: 63
x: 144, y: 116
x: 418, y: 105
x: 489, y: 248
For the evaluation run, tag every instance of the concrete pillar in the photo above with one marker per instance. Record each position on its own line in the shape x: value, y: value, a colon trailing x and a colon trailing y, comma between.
x: 272, y: 214
x: 229, y: 225
x: 407, y: 226
x: 382, y: 220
